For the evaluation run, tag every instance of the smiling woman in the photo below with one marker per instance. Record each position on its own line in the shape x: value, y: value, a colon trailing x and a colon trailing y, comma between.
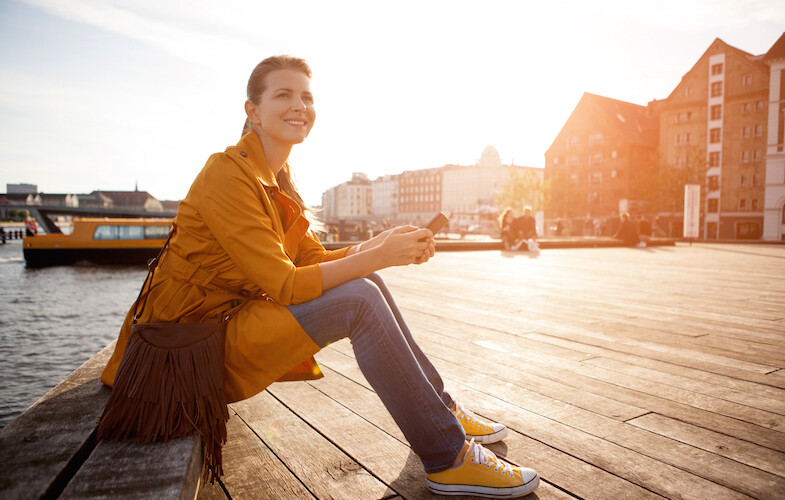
x: 241, y: 237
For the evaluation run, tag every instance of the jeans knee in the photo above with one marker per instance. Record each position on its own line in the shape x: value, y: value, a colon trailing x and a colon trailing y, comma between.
x: 362, y: 290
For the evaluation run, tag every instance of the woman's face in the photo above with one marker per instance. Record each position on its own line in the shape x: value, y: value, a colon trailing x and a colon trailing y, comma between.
x: 285, y: 112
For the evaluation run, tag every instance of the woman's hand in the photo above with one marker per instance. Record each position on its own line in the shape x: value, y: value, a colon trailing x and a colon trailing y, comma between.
x: 401, y: 246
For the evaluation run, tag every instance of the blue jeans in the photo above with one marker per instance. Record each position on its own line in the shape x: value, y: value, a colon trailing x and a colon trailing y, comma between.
x: 392, y: 362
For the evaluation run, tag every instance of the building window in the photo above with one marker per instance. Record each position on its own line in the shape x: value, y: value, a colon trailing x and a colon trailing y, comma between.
x: 572, y: 142
x: 613, y: 174
x: 613, y: 154
x: 595, y: 178
x: 745, y: 156
x: 687, y: 138
x: 714, y: 159
x: 716, y: 112
x: 759, y: 106
x: 594, y: 197
x: 595, y: 139
x: 677, y: 140
x: 756, y: 155
x: 556, y: 160
x: 574, y: 179
x: 742, y: 181
x: 713, y: 204
x: 572, y: 161
x: 754, y: 204
x: 595, y: 159
x: 742, y: 205
x: 746, y: 80
x: 687, y: 92
x: 746, y: 107
x: 745, y: 131
x: 716, y: 69
x: 715, y: 135
x: 716, y: 89
x: 714, y: 182
x: 755, y: 180
x: 758, y: 130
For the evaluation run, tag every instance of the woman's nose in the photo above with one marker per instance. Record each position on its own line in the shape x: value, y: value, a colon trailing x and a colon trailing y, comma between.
x: 298, y: 104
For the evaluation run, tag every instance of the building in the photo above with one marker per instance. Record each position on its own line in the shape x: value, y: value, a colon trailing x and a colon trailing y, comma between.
x: 132, y: 199
x: 384, y: 198
x: 774, y: 208
x: 419, y: 195
x: 21, y: 188
x: 469, y: 192
x: 593, y: 159
x: 96, y: 199
x: 716, y: 119
x: 350, y: 200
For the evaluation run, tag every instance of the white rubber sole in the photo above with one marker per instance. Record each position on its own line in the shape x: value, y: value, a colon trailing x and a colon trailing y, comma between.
x: 484, y: 491
x: 489, y: 438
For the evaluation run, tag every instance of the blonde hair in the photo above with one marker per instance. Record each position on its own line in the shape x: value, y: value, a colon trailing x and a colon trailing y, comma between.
x: 257, y: 84
x: 504, y: 216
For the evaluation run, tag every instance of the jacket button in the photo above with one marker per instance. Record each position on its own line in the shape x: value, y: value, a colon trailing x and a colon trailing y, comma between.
x: 243, y: 154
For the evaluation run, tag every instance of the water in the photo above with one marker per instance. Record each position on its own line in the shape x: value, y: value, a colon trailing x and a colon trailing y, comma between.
x: 54, y: 319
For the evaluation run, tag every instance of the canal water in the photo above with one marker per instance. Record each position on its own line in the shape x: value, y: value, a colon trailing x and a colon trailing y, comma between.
x: 54, y: 319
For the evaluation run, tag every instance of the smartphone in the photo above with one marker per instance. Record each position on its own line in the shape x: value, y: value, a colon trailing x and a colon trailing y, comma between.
x: 437, y: 223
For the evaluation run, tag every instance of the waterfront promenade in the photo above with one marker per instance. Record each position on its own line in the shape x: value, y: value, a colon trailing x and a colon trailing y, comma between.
x: 621, y: 373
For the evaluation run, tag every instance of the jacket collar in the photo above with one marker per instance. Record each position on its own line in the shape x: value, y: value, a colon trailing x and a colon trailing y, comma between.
x: 249, y: 151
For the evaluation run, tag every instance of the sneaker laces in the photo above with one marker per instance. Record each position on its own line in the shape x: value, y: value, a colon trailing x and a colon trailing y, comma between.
x: 461, y: 413
x: 484, y: 456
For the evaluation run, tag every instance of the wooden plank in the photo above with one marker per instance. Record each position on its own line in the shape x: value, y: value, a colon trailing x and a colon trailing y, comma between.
x: 721, y: 444
x: 322, y: 467
x: 554, y: 466
x: 133, y: 470
x: 42, y: 448
x: 725, y: 472
x: 252, y: 470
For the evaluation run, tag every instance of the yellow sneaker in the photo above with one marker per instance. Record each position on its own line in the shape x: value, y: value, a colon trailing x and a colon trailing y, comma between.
x: 483, y: 474
x: 476, y: 428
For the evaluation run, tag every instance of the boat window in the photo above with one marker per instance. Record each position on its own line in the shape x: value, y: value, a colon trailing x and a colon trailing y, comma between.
x: 105, y: 233
x: 156, y: 232
x: 131, y: 232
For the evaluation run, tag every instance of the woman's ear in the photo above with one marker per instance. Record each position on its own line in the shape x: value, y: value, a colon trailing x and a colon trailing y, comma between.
x: 250, y: 110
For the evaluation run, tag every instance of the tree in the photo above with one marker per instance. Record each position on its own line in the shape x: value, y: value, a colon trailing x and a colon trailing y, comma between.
x: 660, y: 185
x: 563, y: 199
x: 524, y: 188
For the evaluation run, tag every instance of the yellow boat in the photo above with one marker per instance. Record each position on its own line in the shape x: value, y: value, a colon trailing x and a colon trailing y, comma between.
x: 99, y: 241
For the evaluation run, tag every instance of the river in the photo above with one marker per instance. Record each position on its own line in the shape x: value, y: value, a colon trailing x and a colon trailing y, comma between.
x: 54, y: 319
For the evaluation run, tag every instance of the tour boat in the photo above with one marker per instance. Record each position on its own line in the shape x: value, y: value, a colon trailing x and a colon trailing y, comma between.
x: 99, y: 241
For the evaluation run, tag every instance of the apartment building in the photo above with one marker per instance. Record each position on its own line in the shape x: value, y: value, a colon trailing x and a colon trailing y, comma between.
x: 717, y: 116
x: 592, y: 161
x: 774, y: 208
x: 419, y: 195
x: 352, y: 199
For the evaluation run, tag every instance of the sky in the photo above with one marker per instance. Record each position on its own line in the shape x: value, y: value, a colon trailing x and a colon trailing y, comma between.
x: 114, y: 94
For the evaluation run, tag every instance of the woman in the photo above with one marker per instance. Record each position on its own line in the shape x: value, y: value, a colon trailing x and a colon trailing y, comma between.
x: 505, y: 221
x: 242, y: 229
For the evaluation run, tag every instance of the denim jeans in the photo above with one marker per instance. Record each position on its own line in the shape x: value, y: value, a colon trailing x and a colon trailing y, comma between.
x: 394, y: 365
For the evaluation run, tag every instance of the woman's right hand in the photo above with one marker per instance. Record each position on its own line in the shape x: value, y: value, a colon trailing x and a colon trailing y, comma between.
x: 401, y: 246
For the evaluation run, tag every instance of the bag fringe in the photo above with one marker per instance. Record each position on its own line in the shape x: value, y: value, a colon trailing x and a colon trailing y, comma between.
x: 162, y: 394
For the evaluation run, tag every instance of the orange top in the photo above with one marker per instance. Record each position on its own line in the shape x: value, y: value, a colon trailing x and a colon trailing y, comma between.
x: 237, y: 230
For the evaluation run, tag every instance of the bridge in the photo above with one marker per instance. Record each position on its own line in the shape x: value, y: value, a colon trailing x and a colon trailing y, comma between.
x: 41, y: 213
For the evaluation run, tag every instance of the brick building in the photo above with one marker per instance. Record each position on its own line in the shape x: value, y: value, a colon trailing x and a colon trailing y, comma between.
x: 774, y: 209
x: 717, y: 115
x: 419, y: 195
x: 593, y: 159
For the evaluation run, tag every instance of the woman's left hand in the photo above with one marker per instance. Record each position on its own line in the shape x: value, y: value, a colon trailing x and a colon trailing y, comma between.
x: 427, y: 253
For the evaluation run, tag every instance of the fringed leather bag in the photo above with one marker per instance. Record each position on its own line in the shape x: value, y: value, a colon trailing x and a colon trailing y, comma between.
x: 170, y: 384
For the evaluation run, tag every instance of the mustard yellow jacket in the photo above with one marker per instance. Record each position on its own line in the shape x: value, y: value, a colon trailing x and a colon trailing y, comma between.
x: 236, y: 230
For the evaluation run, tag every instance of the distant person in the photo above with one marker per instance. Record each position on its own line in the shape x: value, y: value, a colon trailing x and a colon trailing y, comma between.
x: 644, y: 228
x: 2, y: 235
x: 242, y: 228
x: 506, y: 219
x: 30, y: 228
x: 525, y: 230
x: 628, y: 233
x: 559, y: 227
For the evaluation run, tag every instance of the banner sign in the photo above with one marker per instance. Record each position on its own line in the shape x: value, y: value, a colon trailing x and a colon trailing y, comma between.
x: 692, y: 210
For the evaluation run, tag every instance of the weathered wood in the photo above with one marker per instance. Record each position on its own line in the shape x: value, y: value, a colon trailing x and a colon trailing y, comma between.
x: 133, y: 470
x: 323, y: 468
x: 42, y: 448
x: 252, y: 470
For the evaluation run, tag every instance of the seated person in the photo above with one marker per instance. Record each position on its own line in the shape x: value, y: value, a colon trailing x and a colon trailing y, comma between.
x: 628, y: 233
x: 525, y: 228
x: 505, y: 220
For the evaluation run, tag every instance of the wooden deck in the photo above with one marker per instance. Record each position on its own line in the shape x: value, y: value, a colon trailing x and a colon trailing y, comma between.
x: 622, y: 373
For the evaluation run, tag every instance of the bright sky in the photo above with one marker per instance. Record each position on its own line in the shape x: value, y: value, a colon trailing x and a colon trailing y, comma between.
x: 102, y: 94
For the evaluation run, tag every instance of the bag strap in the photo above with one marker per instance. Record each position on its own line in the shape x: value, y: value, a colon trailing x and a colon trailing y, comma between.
x: 151, y: 265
